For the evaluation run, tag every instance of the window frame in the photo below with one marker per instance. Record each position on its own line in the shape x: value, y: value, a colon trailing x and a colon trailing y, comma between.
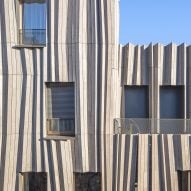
x: 49, y: 85
x: 20, y: 29
x: 184, y: 179
x: 85, y: 179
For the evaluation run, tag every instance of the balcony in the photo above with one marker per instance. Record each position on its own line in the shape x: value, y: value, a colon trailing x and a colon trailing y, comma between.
x: 32, y: 37
x: 61, y: 127
x: 152, y: 126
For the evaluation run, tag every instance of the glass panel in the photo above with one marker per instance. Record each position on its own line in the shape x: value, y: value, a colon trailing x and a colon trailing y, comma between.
x: 35, y: 181
x: 61, y: 126
x: 144, y: 126
x: 61, y: 108
x: 33, y: 23
x: 54, y: 125
x: 172, y: 102
x: 184, y: 180
x: 136, y: 102
x: 66, y: 125
x: 34, y: 15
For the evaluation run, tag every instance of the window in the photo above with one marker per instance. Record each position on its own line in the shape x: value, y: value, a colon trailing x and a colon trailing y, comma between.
x: 184, y: 180
x: 33, y: 181
x: 60, y: 108
x: 33, y: 22
x: 88, y: 181
x: 136, y: 102
x: 171, y: 102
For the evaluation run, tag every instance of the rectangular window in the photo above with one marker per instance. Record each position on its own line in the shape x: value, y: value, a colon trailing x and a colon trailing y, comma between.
x: 184, y: 180
x: 60, y: 108
x: 88, y: 181
x: 33, y: 181
x: 171, y: 102
x: 136, y: 102
x: 33, y: 22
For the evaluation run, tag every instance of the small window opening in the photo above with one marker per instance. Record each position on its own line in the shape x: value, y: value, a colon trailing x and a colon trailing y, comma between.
x: 184, y: 180
x: 90, y: 181
x: 34, y: 181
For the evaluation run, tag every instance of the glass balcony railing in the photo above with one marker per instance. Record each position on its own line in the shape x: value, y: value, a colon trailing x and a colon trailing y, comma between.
x: 152, y: 126
x: 59, y: 126
x: 32, y: 36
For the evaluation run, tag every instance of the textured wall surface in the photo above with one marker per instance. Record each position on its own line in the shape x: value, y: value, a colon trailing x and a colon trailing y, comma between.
x: 156, y: 158
x: 155, y: 66
x: 82, y: 47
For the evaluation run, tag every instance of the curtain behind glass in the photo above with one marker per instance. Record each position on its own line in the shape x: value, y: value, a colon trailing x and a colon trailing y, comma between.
x: 34, y: 14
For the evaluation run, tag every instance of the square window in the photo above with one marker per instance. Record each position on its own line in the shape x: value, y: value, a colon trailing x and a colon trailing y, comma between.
x: 32, y: 22
x: 184, y: 180
x: 171, y: 102
x: 136, y: 102
x: 34, y: 181
x: 60, y: 104
x: 90, y: 181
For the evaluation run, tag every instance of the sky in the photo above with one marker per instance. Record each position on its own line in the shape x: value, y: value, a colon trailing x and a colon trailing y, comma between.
x: 146, y: 21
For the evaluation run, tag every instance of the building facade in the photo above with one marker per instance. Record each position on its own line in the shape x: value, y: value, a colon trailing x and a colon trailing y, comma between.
x: 65, y: 83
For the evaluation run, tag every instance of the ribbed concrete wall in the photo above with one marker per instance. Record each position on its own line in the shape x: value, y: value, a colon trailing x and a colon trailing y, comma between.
x: 82, y: 47
x: 155, y: 66
x: 156, y: 158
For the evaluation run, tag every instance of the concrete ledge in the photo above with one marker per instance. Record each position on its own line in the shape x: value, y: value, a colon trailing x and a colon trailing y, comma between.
x: 29, y: 46
x: 62, y: 138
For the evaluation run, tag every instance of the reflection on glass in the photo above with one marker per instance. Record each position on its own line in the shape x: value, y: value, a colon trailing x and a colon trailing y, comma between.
x: 33, y: 22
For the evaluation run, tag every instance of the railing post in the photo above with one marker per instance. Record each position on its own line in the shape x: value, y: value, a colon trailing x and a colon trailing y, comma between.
x: 152, y: 129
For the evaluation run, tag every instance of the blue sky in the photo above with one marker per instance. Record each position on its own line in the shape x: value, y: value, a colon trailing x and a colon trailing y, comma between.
x: 164, y: 21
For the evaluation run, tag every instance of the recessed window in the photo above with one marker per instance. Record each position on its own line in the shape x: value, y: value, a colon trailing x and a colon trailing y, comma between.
x: 90, y: 181
x: 136, y: 102
x: 184, y: 180
x: 33, y: 22
x: 33, y: 181
x: 60, y: 108
x: 171, y: 102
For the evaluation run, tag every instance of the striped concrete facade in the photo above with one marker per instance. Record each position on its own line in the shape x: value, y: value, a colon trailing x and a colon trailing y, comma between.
x: 155, y: 66
x: 157, y: 158
x: 82, y: 47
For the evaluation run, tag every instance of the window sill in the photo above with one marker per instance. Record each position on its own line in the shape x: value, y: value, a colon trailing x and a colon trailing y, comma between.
x: 29, y: 46
x: 62, y: 138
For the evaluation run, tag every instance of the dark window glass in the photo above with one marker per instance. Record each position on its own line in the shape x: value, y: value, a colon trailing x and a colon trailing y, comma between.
x: 35, y: 181
x: 136, y: 102
x: 172, y: 102
x: 184, y: 180
x: 90, y: 181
